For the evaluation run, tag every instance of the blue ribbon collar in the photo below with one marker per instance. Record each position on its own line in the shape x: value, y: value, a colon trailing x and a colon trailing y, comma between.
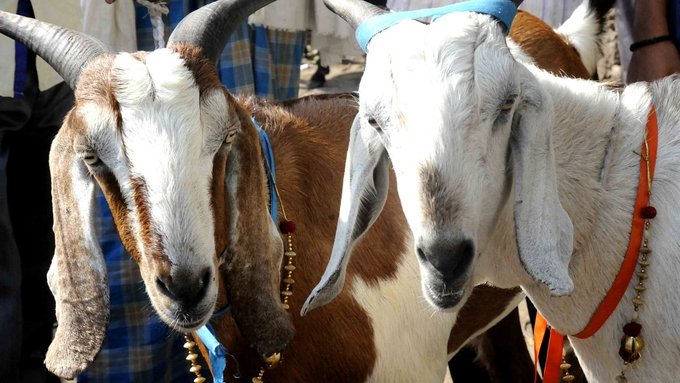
x: 503, y: 10
x: 218, y: 353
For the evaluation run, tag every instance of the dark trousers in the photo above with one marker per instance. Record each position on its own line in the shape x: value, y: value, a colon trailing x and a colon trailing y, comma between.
x: 27, y: 127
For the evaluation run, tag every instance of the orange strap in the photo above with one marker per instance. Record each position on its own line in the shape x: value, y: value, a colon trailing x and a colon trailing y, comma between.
x: 551, y: 373
x: 540, y: 327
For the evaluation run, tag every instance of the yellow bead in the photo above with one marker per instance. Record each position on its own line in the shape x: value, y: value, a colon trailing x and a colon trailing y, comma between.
x: 286, y: 293
x: 289, y: 267
x: 200, y: 379
x: 189, y: 345
x: 640, y: 288
x: 289, y: 281
x: 257, y: 379
x: 568, y: 378
x: 290, y: 254
x: 272, y: 360
x: 642, y: 275
x: 192, y: 357
x: 565, y: 366
x: 646, y: 250
x: 637, y: 301
x: 285, y: 306
x: 195, y: 368
x: 633, y: 345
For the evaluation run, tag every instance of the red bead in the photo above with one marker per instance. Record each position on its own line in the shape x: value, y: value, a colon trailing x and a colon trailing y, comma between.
x: 648, y: 212
x: 632, y: 329
x: 287, y: 227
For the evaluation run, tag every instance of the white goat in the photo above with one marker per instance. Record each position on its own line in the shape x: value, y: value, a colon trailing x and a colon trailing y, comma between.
x: 512, y: 176
x: 180, y: 164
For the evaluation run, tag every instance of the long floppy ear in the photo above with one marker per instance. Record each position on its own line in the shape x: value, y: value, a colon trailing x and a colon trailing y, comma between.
x: 543, y: 229
x: 254, y: 248
x: 364, y: 192
x: 77, y: 275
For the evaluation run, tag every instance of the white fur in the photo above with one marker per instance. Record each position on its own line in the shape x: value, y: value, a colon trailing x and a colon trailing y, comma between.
x: 591, y: 127
x: 581, y: 29
x: 405, y: 328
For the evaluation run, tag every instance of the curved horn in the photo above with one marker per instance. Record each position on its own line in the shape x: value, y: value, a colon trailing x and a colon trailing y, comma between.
x: 517, y: 2
x: 353, y: 11
x: 67, y: 51
x: 209, y: 27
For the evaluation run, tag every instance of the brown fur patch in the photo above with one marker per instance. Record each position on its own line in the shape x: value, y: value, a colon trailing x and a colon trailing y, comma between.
x: 310, y: 149
x: 481, y: 309
x: 437, y: 200
x: 151, y: 238
x: 119, y: 211
x: 548, y: 49
x: 203, y: 69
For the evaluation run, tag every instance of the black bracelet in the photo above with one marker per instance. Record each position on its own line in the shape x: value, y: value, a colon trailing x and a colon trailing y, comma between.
x: 643, y: 43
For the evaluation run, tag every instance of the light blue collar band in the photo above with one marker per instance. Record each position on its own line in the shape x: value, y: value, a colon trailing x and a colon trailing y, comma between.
x: 503, y: 10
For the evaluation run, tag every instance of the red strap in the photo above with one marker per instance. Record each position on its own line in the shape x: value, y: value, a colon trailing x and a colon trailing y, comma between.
x: 551, y: 372
x: 615, y: 293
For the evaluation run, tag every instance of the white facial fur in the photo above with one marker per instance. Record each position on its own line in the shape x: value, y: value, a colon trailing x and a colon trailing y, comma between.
x: 164, y: 155
x: 437, y: 94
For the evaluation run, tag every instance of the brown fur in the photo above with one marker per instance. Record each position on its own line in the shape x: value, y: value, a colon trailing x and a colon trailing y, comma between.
x: 437, y: 200
x: 549, y: 50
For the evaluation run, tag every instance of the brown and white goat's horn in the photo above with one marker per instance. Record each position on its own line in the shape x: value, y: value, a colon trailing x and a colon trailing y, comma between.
x: 353, y: 11
x: 517, y: 2
x: 67, y: 51
x: 209, y: 27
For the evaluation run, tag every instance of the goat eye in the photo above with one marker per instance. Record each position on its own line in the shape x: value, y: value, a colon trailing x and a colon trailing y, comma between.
x: 230, y: 137
x: 91, y: 159
x: 374, y: 124
x: 508, y: 104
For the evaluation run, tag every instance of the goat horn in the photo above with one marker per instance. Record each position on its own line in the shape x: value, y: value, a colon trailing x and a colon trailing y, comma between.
x: 67, y: 51
x: 353, y: 11
x: 517, y: 2
x: 210, y: 26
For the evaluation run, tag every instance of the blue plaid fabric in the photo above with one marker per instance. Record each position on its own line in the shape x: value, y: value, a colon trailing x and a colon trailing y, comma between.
x: 256, y: 60
x: 138, y: 346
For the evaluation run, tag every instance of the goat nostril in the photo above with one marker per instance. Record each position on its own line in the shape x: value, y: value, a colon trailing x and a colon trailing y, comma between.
x: 163, y: 288
x: 205, y: 280
x: 421, y: 254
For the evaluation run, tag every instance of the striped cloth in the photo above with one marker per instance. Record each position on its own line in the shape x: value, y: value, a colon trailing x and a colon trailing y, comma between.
x: 138, y: 346
x: 256, y: 61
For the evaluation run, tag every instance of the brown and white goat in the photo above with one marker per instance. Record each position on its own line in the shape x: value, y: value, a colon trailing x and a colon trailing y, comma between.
x: 180, y: 164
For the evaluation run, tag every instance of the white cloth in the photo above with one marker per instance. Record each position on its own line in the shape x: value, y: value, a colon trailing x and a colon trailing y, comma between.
x: 62, y: 12
x: 114, y: 24
x: 287, y: 15
x: 331, y: 35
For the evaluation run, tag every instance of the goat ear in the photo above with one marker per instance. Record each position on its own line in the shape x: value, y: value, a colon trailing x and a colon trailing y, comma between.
x: 77, y: 275
x: 364, y: 192
x: 543, y: 230
x: 254, y: 248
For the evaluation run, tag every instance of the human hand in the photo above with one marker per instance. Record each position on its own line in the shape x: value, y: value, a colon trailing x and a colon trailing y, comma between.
x: 653, y: 62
